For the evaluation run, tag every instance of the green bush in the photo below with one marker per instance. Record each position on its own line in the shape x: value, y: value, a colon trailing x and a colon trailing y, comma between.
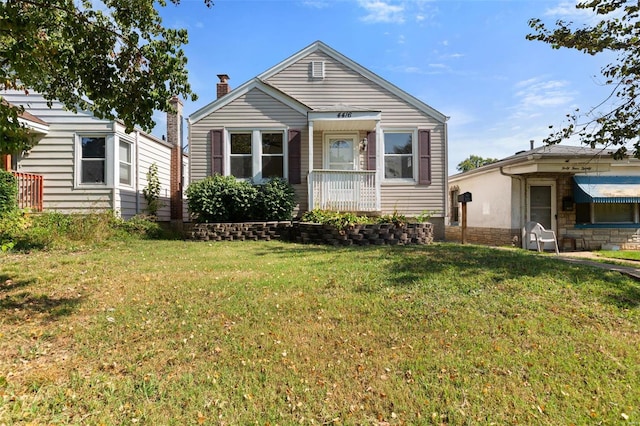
x: 337, y: 219
x: 226, y: 199
x: 8, y: 192
x: 275, y: 201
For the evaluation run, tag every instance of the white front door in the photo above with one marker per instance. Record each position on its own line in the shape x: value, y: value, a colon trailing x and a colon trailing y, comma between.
x: 340, y: 153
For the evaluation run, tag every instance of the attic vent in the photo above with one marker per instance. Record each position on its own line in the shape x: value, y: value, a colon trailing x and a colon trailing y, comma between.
x: 317, y: 69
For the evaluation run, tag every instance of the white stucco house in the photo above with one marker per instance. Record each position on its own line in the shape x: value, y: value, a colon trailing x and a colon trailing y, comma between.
x: 344, y: 137
x: 83, y: 164
x: 589, y: 199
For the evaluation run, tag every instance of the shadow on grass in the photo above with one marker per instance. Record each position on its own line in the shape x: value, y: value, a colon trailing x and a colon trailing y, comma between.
x: 469, y: 266
x: 16, y: 306
x: 7, y: 284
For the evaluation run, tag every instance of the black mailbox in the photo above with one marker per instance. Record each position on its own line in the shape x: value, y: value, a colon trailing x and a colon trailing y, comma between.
x: 464, y: 197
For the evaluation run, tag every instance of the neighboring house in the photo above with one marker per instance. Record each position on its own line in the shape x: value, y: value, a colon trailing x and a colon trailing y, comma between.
x: 345, y: 138
x: 85, y: 164
x: 589, y: 199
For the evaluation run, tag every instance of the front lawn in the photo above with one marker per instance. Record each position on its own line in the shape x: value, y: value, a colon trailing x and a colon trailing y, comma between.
x: 172, y: 332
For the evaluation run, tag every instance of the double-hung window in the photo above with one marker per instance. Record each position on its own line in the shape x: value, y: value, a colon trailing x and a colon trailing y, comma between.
x: 93, y: 160
x: 125, y: 163
x: 272, y: 164
x: 399, y: 155
x: 257, y: 154
x: 241, y: 155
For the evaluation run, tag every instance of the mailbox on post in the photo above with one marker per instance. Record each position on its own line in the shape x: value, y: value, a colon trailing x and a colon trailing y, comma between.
x: 465, y: 197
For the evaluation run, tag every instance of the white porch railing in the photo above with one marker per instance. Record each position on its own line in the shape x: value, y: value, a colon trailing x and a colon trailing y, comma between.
x: 344, y: 190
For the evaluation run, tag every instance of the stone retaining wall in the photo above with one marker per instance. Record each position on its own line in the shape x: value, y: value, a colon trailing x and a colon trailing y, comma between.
x: 376, y: 234
x: 252, y: 231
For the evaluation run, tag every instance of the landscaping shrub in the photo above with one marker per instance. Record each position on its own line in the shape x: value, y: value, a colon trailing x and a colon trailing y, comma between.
x: 337, y: 219
x: 8, y: 192
x: 275, y: 201
x: 21, y: 230
x: 151, y: 192
x: 226, y: 199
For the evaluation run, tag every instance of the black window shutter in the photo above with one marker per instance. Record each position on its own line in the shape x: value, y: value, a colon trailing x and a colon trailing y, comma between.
x: 295, y: 156
x: 424, y: 157
x: 371, y: 150
x: 217, y: 152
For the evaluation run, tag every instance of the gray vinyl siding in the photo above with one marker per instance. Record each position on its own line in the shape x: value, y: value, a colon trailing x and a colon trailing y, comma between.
x: 343, y: 85
x: 255, y: 109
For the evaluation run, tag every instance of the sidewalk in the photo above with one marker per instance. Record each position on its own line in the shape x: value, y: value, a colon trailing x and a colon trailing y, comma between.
x: 630, y: 267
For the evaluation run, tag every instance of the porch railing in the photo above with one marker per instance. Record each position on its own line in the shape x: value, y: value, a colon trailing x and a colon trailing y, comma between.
x: 344, y: 190
x: 30, y: 189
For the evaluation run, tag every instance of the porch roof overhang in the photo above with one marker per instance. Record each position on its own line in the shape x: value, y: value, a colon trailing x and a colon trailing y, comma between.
x: 606, y: 189
x: 344, y: 118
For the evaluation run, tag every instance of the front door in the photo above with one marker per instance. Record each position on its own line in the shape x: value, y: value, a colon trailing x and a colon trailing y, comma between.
x: 341, y: 158
x: 542, y: 203
x: 341, y: 153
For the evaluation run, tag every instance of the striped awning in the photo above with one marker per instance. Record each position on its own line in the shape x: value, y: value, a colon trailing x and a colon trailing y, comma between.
x: 606, y: 189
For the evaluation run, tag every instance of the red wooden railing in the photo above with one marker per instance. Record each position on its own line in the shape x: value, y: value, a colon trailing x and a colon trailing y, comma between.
x: 30, y: 188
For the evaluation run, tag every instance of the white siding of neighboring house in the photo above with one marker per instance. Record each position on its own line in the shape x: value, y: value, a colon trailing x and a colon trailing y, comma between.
x: 343, y: 85
x: 496, y: 199
x: 149, y: 150
x: 54, y: 158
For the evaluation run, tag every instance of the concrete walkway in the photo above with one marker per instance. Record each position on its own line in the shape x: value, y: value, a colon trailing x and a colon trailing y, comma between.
x: 628, y: 267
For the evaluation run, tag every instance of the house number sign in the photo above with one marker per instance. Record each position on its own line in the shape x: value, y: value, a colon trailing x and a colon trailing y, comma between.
x: 345, y: 114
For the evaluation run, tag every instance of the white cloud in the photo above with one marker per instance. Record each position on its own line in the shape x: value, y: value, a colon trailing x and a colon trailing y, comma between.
x: 536, y: 94
x: 317, y: 4
x: 567, y: 10
x: 382, y: 11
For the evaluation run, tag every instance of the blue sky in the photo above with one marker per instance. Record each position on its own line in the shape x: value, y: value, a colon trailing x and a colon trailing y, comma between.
x: 468, y: 59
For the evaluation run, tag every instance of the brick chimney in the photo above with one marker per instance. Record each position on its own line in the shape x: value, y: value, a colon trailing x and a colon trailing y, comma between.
x: 174, y: 137
x: 223, y: 85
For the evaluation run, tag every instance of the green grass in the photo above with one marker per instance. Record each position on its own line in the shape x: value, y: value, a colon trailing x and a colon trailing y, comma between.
x: 620, y: 254
x: 170, y: 332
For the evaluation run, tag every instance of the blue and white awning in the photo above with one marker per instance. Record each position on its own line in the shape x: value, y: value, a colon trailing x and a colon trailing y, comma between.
x: 606, y: 189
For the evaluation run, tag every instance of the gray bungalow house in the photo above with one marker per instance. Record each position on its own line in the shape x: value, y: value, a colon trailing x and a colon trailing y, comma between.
x: 345, y: 138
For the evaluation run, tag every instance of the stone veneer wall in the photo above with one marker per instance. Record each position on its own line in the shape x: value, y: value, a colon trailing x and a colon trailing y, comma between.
x: 484, y: 236
x: 376, y: 234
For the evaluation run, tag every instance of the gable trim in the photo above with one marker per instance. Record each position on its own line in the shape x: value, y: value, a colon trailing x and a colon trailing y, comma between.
x: 254, y: 83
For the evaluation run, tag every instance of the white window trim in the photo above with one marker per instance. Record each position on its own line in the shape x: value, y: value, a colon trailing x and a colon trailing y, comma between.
x: 356, y: 148
x: 414, y: 156
x: 131, y: 163
x: 109, y: 165
x: 256, y: 151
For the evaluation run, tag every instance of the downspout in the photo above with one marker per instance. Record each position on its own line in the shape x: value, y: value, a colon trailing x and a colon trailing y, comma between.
x: 523, y: 198
x: 445, y: 194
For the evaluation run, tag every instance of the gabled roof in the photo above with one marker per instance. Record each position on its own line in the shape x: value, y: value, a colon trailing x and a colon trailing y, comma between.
x: 254, y: 83
x: 317, y: 46
x: 35, y: 124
